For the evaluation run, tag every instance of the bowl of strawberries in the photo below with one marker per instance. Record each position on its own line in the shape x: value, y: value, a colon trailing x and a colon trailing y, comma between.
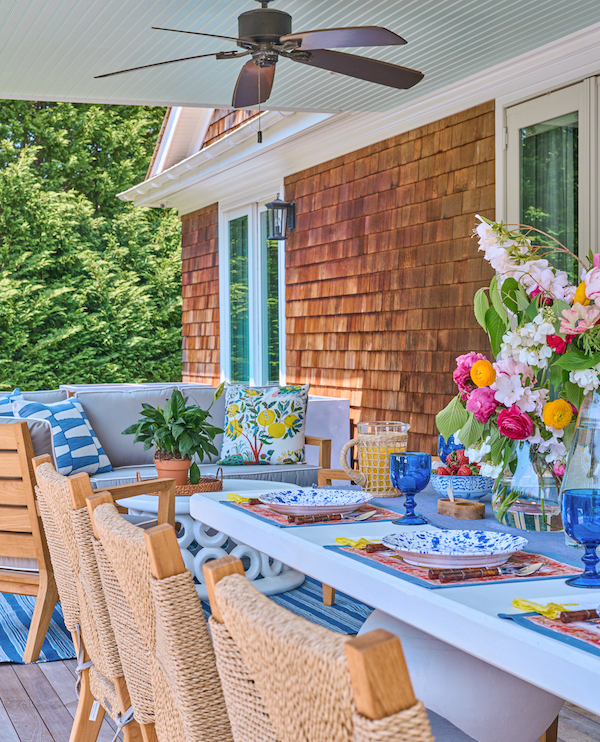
x: 463, y: 477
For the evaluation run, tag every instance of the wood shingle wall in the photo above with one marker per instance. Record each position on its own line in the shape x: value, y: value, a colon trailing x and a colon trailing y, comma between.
x: 200, y: 290
x: 381, y: 270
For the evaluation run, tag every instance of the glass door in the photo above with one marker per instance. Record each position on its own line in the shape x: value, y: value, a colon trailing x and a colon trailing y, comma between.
x: 545, y: 190
x: 239, y: 319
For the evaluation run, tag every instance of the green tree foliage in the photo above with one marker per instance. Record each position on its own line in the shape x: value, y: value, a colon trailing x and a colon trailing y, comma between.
x: 90, y: 287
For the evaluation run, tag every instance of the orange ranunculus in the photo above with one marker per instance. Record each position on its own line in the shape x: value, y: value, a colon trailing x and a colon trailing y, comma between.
x: 580, y: 297
x: 483, y: 373
x: 557, y: 414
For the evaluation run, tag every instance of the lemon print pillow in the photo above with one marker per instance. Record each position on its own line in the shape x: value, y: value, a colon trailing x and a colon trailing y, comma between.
x: 264, y: 426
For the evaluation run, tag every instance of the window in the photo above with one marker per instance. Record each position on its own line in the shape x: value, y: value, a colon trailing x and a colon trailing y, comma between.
x: 550, y: 168
x: 251, y: 308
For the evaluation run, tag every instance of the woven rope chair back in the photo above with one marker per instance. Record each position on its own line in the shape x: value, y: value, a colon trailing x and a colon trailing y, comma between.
x: 188, y: 700
x: 299, y: 672
x: 75, y: 564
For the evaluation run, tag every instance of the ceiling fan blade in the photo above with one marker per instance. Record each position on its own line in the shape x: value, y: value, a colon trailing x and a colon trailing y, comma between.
x: 363, y: 68
x: 338, y: 37
x: 157, y: 64
x: 246, y: 87
x: 199, y: 33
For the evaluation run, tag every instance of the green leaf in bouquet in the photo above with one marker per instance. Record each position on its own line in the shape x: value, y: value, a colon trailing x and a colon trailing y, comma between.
x: 512, y: 295
x: 496, y: 329
x: 573, y: 393
x: 497, y: 301
x: 480, y: 307
x: 471, y: 431
x: 451, y: 419
x: 577, y: 360
x: 558, y: 306
x: 557, y: 377
x: 532, y: 310
x: 496, y: 443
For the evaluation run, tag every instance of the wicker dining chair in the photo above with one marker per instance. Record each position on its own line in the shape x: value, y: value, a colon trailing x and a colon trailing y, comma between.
x: 188, y: 700
x: 313, y: 684
x: 102, y: 685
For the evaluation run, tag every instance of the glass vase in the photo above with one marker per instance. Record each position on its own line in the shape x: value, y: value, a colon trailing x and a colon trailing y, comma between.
x: 526, y: 495
x: 580, y: 491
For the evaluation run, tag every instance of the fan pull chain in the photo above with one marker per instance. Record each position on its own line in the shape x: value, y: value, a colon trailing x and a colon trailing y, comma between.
x: 259, y: 133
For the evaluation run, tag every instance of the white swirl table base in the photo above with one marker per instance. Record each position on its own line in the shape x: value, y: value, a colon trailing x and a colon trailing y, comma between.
x: 268, y: 575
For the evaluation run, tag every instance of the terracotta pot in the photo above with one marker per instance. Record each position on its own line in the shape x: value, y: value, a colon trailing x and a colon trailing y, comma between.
x: 177, y: 469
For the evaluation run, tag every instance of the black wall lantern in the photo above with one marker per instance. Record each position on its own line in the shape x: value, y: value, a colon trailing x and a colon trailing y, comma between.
x: 281, y: 217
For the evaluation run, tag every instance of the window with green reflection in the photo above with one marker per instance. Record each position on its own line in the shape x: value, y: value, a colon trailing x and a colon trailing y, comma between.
x: 271, y: 262
x: 549, y: 185
x: 239, y: 328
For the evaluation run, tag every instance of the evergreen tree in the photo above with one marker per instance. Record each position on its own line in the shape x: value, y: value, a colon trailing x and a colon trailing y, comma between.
x: 90, y: 287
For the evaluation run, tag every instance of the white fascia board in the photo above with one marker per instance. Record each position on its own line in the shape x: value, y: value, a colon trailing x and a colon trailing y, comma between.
x: 227, y: 169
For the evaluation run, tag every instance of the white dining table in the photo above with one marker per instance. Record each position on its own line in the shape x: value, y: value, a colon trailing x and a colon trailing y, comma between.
x: 465, y: 617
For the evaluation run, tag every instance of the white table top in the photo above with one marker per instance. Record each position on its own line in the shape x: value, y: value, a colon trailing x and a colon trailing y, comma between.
x: 149, y: 503
x: 466, y: 617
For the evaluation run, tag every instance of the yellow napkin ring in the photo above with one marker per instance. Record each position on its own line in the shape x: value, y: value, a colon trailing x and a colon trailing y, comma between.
x: 237, y: 498
x: 360, y: 544
x: 552, y: 610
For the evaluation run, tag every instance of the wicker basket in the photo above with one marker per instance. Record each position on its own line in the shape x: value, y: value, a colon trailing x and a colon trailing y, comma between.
x: 206, y: 484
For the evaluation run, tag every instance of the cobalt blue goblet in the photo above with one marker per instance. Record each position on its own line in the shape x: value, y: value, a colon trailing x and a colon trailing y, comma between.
x: 410, y: 474
x: 581, y: 519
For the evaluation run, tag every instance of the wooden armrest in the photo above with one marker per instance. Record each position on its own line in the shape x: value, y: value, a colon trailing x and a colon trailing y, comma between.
x: 146, y: 487
x: 324, y: 445
x: 165, y: 488
x: 325, y: 476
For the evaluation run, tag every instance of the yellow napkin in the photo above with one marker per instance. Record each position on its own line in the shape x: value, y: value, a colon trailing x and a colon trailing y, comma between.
x: 552, y: 610
x: 360, y: 544
x: 237, y: 498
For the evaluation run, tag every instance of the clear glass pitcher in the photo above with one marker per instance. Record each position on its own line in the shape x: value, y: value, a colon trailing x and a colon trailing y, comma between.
x: 583, y: 464
x: 375, y: 442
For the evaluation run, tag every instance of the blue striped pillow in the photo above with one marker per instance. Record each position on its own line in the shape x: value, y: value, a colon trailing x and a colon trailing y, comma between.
x: 6, y: 409
x: 76, y: 447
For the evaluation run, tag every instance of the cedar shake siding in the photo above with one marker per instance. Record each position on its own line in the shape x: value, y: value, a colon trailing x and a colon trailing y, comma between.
x: 200, y: 291
x: 381, y: 270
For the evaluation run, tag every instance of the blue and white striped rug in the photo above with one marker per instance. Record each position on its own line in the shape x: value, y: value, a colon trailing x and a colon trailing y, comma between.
x: 15, y: 616
x: 346, y: 617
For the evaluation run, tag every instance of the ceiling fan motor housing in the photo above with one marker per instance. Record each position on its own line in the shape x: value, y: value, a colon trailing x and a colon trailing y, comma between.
x: 264, y: 25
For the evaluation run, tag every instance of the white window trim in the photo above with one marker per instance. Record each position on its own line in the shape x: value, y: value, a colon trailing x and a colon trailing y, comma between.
x: 589, y: 112
x: 258, y: 359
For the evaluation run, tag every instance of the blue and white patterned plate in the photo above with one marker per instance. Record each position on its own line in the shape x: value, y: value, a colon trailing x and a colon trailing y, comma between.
x: 449, y: 549
x: 309, y: 501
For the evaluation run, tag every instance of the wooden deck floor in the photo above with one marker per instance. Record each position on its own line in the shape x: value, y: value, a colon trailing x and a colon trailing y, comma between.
x: 38, y: 702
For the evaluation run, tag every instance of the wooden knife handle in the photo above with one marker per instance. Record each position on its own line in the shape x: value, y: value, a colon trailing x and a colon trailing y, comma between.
x: 573, y: 616
x: 372, y: 548
x: 460, y: 575
x: 304, y: 519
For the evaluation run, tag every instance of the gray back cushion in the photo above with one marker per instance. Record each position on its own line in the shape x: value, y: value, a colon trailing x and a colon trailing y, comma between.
x: 40, y: 432
x: 44, y: 396
x: 111, y: 412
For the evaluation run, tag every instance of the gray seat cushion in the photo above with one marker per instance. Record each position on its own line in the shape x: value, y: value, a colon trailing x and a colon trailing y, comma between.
x: 303, y: 475
x: 444, y: 731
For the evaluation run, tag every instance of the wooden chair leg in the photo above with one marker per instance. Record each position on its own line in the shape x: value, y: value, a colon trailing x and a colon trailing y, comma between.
x: 328, y: 595
x: 551, y: 734
x: 148, y: 733
x: 47, y: 598
x: 84, y: 729
x: 131, y: 731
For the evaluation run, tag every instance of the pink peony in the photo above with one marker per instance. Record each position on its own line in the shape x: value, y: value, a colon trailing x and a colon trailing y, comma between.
x: 557, y: 343
x: 592, y: 280
x: 482, y: 403
x: 462, y: 373
x: 579, y: 319
x: 510, y: 367
x: 514, y: 424
x: 559, y: 469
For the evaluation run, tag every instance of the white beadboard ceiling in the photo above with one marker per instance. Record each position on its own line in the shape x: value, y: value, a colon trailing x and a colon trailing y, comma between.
x: 51, y: 49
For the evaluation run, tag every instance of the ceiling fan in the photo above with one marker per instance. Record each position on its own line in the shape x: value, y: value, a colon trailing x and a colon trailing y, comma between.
x: 266, y: 34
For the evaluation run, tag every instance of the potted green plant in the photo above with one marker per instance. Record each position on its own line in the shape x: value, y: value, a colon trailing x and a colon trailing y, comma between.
x: 179, y: 432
